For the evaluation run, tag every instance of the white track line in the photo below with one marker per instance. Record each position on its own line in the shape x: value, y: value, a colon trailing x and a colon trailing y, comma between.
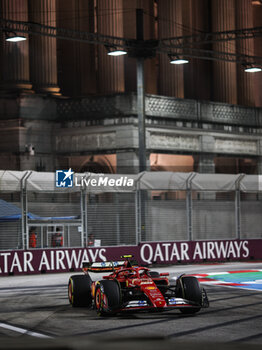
x: 23, y: 331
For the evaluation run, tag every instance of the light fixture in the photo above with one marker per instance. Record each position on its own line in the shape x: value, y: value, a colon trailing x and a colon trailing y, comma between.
x: 177, y: 60
x: 13, y: 37
x: 114, y: 51
x: 252, y: 69
x: 117, y: 53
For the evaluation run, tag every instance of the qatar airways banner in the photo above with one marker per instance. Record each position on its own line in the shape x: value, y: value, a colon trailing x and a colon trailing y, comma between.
x: 62, y: 260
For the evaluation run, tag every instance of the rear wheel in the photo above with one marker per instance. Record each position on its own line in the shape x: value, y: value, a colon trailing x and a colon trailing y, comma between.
x: 107, y: 297
x: 188, y: 288
x: 79, y: 290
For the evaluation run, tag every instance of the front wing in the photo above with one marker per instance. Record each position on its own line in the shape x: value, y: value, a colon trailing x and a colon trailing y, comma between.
x: 171, y: 304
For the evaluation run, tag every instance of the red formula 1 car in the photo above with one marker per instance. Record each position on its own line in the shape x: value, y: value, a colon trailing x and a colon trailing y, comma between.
x: 132, y: 288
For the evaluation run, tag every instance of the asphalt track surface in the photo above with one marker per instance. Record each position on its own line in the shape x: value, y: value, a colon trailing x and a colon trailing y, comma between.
x: 35, y: 308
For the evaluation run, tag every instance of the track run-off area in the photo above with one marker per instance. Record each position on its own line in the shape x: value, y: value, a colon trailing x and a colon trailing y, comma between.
x: 35, y: 308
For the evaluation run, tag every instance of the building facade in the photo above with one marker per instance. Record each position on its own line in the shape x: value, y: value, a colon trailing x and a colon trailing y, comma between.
x: 68, y: 104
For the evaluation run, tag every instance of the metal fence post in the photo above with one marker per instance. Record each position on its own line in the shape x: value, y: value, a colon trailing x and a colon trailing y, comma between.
x: 189, y: 214
x: 24, y: 210
x: 116, y: 200
x: 189, y: 206
x: 140, y: 212
x: 237, y: 206
x: 237, y: 213
x: 83, y: 218
x: 138, y: 215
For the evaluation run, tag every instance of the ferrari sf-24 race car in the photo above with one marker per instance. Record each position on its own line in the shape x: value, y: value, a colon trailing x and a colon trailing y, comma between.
x: 130, y: 287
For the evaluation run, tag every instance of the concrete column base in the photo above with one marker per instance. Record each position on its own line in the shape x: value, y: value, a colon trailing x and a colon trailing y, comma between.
x: 128, y: 162
x: 206, y: 164
x: 14, y: 87
x: 50, y: 90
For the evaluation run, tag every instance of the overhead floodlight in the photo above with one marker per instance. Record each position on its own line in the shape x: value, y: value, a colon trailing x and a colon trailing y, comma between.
x: 177, y: 60
x: 116, y: 53
x: 253, y: 69
x: 13, y: 37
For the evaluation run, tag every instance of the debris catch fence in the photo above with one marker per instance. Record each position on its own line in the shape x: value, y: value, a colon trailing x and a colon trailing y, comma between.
x: 153, y: 207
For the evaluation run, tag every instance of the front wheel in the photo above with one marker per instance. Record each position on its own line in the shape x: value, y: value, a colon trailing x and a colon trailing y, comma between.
x: 107, y: 297
x: 188, y: 288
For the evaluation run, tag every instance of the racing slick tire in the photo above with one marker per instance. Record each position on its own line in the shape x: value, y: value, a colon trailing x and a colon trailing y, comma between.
x: 107, y: 297
x: 79, y: 290
x: 188, y: 288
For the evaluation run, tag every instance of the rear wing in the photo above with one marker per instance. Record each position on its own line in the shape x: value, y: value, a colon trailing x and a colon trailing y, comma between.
x: 104, y: 266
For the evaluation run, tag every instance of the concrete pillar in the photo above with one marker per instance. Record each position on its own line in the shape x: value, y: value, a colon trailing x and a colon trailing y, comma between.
x: 129, y: 28
x: 224, y: 73
x: 206, y: 164
x: 257, y: 15
x: 171, y: 77
x: 76, y: 60
x: 259, y: 160
x: 259, y: 166
x: 150, y: 33
x: 127, y: 162
x: 14, y: 57
x: 206, y: 159
x: 245, y: 81
x: 43, y: 60
x: 109, y: 19
x: 197, y: 74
